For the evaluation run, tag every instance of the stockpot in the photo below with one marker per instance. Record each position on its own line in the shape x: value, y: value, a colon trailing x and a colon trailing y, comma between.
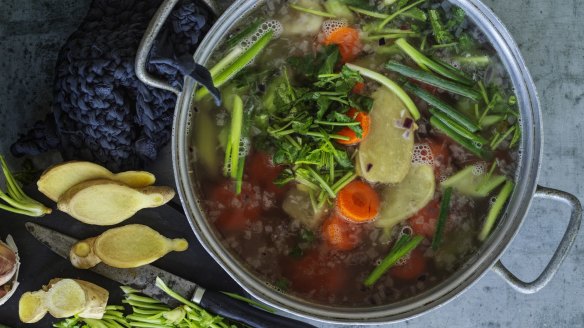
x: 487, y: 258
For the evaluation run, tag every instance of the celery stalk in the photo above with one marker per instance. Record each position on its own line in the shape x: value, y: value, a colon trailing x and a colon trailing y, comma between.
x: 392, y: 86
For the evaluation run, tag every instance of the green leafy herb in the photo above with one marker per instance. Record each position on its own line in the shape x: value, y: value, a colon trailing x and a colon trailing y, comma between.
x: 441, y: 33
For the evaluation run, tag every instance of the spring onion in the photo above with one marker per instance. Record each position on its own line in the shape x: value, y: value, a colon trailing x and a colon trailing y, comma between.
x: 442, y: 106
x: 442, y: 216
x: 427, y: 63
x: 433, y: 80
x: 461, y: 130
x: 496, y: 208
x: 402, y: 247
x: 392, y: 86
x: 237, y: 65
x: 16, y: 201
x: 469, y: 145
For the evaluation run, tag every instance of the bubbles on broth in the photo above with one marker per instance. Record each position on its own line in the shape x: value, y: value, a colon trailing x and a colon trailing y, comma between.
x: 333, y: 24
x: 267, y: 26
x: 422, y: 155
x: 479, y: 168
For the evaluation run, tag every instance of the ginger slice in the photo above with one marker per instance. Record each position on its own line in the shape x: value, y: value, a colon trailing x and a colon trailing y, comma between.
x: 106, y: 202
x: 129, y: 246
x: 59, y: 178
x: 64, y: 298
x: 32, y: 307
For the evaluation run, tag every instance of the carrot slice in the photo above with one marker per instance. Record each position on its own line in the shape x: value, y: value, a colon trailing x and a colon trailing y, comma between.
x: 358, y: 202
x: 340, y: 234
x: 424, y: 221
x: 412, y: 268
x: 348, y: 40
x: 360, y: 117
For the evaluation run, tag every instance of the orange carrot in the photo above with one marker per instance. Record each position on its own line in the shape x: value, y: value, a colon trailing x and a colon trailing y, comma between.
x: 424, y: 221
x: 358, y: 88
x: 340, y: 234
x: 360, y: 117
x: 347, y: 39
x: 412, y: 268
x: 358, y: 202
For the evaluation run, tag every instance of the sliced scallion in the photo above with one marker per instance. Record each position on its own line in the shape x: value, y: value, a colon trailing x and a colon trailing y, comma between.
x: 496, y: 208
x: 238, y: 64
x: 392, y: 86
x: 442, y: 216
x: 461, y: 130
x: 402, y: 247
x: 442, y: 106
x: 469, y: 145
x: 434, y: 80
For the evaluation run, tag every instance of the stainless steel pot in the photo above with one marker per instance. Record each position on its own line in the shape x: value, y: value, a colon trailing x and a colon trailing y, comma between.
x: 488, y: 255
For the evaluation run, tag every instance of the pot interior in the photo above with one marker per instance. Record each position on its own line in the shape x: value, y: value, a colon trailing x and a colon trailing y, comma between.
x: 189, y: 188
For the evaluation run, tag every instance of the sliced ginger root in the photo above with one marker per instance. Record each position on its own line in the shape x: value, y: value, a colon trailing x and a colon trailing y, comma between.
x: 59, y: 178
x: 129, y: 246
x: 32, y: 307
x: 63, y: 298
x: 106, y: 202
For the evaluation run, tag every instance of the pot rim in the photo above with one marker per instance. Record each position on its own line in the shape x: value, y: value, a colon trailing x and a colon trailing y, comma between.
x: 475, y: 267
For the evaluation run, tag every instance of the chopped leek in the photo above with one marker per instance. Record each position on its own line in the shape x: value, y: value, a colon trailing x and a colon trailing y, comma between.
x: 401, y: 248
x: 496, y: 208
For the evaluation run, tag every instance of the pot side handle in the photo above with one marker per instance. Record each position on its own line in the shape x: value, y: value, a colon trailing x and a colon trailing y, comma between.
x: 148, y: 40
x: 561, y: 252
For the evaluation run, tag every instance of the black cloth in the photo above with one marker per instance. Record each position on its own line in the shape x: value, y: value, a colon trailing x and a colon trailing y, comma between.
x: 101, y: 111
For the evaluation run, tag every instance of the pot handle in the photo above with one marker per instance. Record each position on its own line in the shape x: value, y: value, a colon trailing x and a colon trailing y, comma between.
x: 148, y: 40
x: 561, y: 252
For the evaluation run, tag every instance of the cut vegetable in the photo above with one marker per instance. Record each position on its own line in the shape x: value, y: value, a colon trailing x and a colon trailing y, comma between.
x: 471, y: 181
x: 129, y: 246
x: 385, y: 156
x: 431, y: 79
x: 298, y: 23
x: 63, y: 298
x: 348, y: 40
x: 364, y: 123
x: 401, y: 248
x: 32, y: 307
x: 59, y: 178
x: 403, y: 200
x: 392, y: 86
x: 496, y: 208
x: 358, y: 202
x: 444, y: 210
x: 298, y: 206
x: 106, y: 202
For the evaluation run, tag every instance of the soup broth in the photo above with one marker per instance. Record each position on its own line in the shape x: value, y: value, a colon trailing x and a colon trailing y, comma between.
x: 362, y: 151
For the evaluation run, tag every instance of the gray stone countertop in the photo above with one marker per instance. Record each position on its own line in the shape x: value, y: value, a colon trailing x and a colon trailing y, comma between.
x: 548, y: 34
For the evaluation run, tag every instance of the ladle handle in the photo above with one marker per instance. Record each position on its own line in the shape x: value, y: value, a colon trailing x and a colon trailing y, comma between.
x: 148, y: 40
x: 561, y: 252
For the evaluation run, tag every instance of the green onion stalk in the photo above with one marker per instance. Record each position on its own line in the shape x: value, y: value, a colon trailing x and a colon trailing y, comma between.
x: 16, y: 201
